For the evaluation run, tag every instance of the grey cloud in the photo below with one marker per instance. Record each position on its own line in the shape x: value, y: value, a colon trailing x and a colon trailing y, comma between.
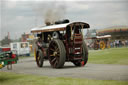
x: 26, y: 15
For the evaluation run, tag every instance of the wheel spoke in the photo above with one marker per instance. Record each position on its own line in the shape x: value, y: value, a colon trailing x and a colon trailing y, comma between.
x: 54, y: 45
x: 38, y: 58
x: 51, y: 55
x: 51, y: 49
x: 55, y: 63
x: 58, y: 54
x: 53, y: 59
x: 57, y: 50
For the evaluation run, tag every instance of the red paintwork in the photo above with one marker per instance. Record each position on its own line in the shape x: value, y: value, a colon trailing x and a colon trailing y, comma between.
x: 13, y: 55
x: 6, y: 49
x: 42, y: 49
x: 73, y: 44
x: 82, y: 63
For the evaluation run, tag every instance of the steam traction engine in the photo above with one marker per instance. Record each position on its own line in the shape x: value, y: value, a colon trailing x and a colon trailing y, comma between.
x: 101, y: 42
x: 61, y: 42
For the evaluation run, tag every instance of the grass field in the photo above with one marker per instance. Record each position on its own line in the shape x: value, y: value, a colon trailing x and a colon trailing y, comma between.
x: 20, y: 79
x: 109, y: 56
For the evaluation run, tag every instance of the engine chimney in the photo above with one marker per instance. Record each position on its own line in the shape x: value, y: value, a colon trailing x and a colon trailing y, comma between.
x: 62, y: 21
x: 47, y: 23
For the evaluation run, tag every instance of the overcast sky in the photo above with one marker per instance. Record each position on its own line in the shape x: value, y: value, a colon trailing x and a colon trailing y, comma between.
x: 19, y: 16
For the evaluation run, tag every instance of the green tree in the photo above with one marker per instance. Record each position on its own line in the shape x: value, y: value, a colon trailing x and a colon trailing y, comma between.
x: 5, y: 41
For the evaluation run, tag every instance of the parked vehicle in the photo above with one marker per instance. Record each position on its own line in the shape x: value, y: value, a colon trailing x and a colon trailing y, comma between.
x: 20, y: 48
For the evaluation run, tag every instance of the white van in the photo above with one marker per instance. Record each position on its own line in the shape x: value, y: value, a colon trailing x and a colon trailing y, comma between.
x: 20, y: 48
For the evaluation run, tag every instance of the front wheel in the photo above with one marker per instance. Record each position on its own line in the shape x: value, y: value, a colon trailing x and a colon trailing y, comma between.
x: 39, y: 58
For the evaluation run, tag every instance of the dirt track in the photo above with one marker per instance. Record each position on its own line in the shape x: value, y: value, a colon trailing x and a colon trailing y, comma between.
x: 90, y: 71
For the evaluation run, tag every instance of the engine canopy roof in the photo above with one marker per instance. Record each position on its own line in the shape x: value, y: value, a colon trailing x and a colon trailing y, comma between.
x: 58, y: 27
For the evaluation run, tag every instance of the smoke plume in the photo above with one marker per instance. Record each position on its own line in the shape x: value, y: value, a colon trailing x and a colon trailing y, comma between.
x: 51, y: 11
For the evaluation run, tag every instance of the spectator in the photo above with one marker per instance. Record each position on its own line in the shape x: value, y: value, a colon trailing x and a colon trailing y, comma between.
x: 126, y: 42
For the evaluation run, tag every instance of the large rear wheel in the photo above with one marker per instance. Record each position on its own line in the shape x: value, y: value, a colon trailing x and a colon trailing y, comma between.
x: 102, y: 45
x: 84, y: 56
x: 57, y: 53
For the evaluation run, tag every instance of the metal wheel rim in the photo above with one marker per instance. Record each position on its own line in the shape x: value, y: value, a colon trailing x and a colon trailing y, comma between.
x: 38, y: 59
x: 54, y: 54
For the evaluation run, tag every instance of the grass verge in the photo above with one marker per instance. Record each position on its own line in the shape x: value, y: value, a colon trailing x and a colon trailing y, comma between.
x: 22, y: 79
x: 109, y: 56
